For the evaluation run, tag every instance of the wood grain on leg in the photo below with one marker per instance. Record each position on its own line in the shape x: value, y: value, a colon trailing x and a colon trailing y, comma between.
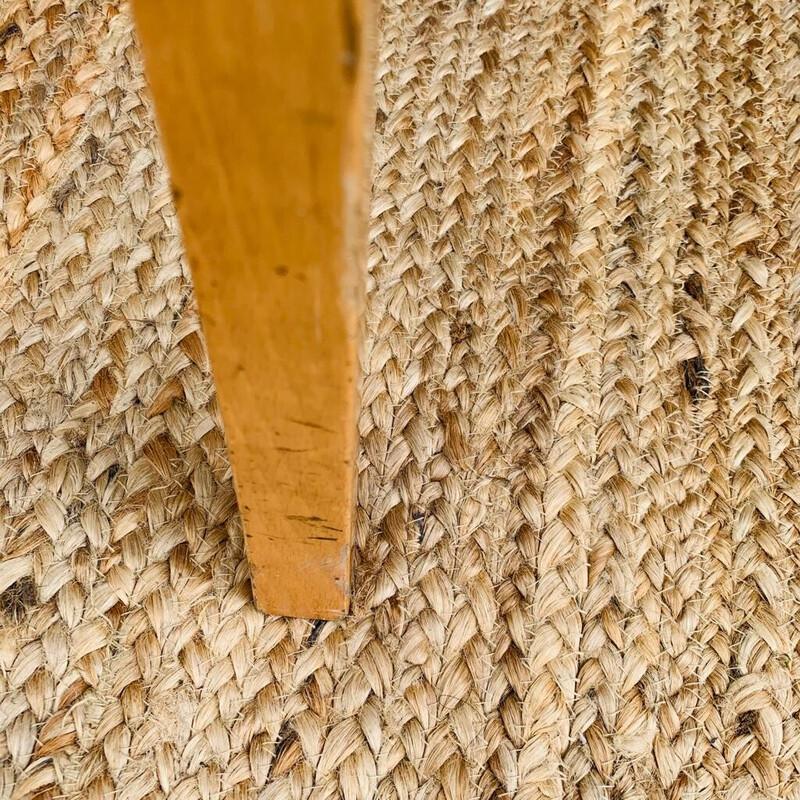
x: 262, y: 105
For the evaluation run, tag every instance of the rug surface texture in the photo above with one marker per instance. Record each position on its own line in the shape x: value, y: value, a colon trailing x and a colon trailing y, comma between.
x: 577, y: 569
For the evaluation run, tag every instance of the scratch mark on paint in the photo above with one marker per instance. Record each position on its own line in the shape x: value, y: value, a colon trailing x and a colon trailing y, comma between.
x: 313, y: 425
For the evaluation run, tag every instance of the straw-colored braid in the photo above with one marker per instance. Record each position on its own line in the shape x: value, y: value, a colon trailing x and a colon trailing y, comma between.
x: 549, y: 515
x: 603, y: 702
x: 758, y: 697
x: 661, y: 645
x: 448, y: 580
x: 687, y: 587
x: 770, y: 76
x: 518, y: 682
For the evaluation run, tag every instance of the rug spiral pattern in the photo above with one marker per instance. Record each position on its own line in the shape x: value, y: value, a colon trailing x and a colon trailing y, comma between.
x: 578, y: 530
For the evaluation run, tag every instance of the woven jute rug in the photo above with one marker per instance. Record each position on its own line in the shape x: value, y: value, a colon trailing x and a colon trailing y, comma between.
x: 578, y: 535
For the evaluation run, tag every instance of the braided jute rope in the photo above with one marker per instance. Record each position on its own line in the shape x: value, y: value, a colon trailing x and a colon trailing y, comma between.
x: 578, y: 530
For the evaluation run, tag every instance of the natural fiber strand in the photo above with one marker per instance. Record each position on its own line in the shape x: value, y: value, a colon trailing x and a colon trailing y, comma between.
x: 578, y: 531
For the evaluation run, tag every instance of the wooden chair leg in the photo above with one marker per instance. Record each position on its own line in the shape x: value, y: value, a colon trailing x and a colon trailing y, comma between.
x: 263, y: 109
